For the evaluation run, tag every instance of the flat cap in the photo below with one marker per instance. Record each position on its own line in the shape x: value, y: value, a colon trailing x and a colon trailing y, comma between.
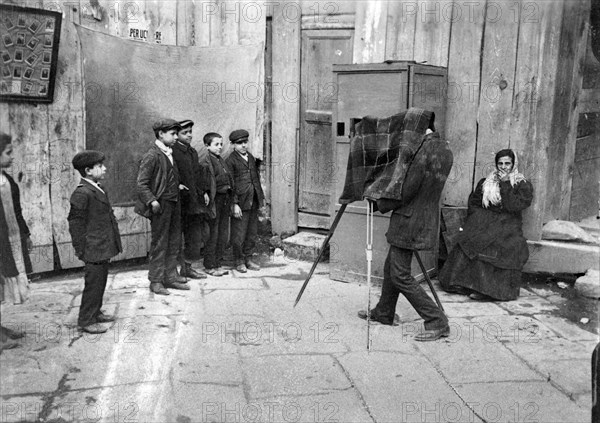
x: 186, y: 123
x: 238, y: 135
x: 87, y: 158
x: 165, y: 125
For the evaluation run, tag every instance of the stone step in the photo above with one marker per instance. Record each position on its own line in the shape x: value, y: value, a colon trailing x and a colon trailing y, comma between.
x: 561, y: 257
x: 303, y: 246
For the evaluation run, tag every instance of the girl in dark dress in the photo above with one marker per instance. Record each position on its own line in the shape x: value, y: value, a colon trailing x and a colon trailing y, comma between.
x: 15, y: 243
x: 490, y: 252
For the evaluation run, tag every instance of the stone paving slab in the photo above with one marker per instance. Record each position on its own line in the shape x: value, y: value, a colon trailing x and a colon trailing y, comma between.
x: 566, y: 329
x: 287, y: 375
x: 529, y: 306
x: 392, y: 384
x: 503, y: 328
x: 341, y: 406
x: 207, y: 403
x: 464, y: 360
x: 522, y: 402
x: 24, y: 408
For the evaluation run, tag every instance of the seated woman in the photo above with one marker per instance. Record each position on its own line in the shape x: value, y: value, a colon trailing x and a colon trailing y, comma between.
x: 490, y: 252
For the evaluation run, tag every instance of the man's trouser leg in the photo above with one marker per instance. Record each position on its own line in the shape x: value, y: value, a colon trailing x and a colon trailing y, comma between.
x: 161, y: 238
x: 399, y: 280
x: 239, y: 227
x: 251, y: 231
x: 173, y: 240
x: 95, y: 278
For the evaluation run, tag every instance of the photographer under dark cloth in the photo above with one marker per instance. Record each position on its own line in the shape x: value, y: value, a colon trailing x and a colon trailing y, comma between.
x: 414, y: 226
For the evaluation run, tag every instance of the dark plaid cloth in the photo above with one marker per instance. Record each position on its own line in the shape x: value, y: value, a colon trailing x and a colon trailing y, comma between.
x: 381, y: 153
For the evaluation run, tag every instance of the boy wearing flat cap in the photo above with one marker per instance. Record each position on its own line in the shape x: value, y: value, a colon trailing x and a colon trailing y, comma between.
x: 158, y: 200
x: 248, y: 197
x: 193, y: 199
x: 95, y: 237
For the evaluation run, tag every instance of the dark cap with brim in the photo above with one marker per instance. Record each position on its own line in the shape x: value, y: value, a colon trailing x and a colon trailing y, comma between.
x: 186, y: 123
x: 87, y: 158
x: 165, y: 125
x: 239, y: 135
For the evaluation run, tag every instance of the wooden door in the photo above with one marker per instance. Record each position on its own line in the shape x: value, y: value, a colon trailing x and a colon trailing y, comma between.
x: 317, y: 170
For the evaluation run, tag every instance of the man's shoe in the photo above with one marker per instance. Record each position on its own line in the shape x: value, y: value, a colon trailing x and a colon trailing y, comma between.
x: 8, y: 344
x: 251, y: 265
x: 104, y: 318
x: 159, y: 289
x: 479, y: 297
x: 188, y: 271
x: 177, y: 285
x: 376, y: 317
x: 11, y: 333
x: 241, y: 268
x: 223, y: 270
x: 433, y: 334
x: 214, y: 272
x: 94, y: 328
x: 176, y: 278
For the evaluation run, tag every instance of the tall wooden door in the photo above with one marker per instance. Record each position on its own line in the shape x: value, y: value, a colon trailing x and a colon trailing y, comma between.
x: 317, y: 170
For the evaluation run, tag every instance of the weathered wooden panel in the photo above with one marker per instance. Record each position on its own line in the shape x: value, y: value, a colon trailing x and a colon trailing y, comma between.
x: 286, y: 84
x: 568, y: 79
x: 432, y: 32
x: 224, y: 25
x: 496, y: 86
x: 31, y: 170
x: 320, y: 50
x: 589, y: 101
x: 587, y: 148
x: 586, y: 189
x: 588, y: 123
x: 400, y: 37
x: 65, y: 138
x: 185, y: 23
x: 345, y: 21
x: 462, y: 95
x: 104, y: 16
x: 66, y: 129
x: 533, y: 103
x: 252, y: 22
x: 325, y: 10
x: 202, y: 12
x: 370, y: 31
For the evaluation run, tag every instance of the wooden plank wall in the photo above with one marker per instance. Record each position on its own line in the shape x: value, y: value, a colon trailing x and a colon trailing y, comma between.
x: 47, y: 136
x: 513, y: 73
x: 285, y: 110
x: 586, y: 169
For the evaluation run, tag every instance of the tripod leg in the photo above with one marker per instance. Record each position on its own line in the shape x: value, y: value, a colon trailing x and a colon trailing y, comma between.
x: 369, y: 253
x: 338, y: 216
x: 437, y: 300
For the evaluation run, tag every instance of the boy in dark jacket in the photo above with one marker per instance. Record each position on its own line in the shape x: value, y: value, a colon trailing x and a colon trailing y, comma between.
x: 193, y: 197
x: 247, y: 199
x: 95, y: 236
x: 220, y: 192
x: 158, y: 200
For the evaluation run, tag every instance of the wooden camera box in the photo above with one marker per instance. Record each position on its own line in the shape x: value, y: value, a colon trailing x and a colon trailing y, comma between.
x: 381, y: 90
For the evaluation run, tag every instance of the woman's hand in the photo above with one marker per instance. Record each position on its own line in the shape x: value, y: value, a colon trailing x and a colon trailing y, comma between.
x: 206, y: 199
x: 502, y: 175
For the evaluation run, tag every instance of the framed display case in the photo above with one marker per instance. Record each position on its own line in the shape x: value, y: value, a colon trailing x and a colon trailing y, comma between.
x: 28, y: 53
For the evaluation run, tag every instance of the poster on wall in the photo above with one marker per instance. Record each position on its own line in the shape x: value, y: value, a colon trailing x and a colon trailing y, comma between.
x: 28, y: 53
